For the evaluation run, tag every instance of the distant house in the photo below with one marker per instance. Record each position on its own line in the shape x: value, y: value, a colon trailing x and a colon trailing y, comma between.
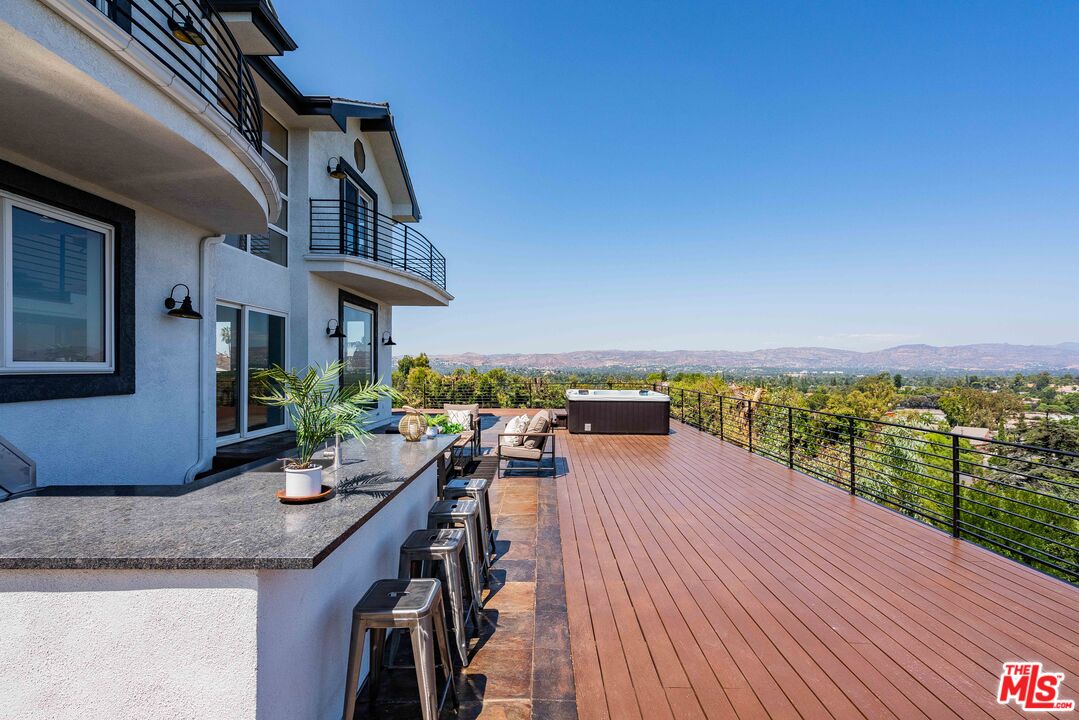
x: 977, y: 435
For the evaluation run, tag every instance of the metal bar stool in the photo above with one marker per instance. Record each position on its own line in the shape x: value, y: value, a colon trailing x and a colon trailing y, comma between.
x: 476, y: 488
x: 462, y: 513
x: 413, y: 605
x: 441, y: 553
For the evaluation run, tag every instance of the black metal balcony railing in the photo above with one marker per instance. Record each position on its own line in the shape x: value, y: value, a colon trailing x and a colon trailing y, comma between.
x: 339, y: 227
x: 195, y: 43
x: 1019, y: 500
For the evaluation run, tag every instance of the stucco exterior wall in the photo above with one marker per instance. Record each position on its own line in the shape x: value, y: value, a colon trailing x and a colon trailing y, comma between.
x: 165, y: 644
x: 305, y: 616
x: 324, y: 145
x: 148, y: 437
x: 315, y: 299
x: 128, y: 644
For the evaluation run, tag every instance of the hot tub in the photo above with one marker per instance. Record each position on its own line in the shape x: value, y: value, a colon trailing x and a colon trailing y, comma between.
x: 618, y: 412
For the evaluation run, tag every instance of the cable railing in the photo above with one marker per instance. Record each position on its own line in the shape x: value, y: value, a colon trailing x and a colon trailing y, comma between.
x: 1021, y: 501
x: 340, y: 227
x: 193, y: 41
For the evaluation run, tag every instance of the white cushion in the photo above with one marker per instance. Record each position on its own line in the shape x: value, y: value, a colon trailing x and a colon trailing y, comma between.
x: 515, y: 425
x: 460, y: 417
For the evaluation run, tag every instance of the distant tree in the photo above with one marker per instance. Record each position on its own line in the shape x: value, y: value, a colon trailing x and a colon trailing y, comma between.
x: 871, y: 397
x: 922, y: 401
x: 978, y: 408
x: 406, y: 363
x: 897, y: 379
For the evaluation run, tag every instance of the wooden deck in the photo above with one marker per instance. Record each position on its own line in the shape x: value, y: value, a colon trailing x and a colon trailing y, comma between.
x: 702, y: 581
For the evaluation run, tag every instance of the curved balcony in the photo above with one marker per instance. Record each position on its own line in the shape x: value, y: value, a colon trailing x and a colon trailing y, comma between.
x: 373, y: 253
x: 150, y: 99
x: 194, y: 42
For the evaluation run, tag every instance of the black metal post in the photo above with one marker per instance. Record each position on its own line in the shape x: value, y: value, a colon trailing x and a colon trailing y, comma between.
x: 790, y: 438
x: 955, y: 486
x: 853, y: 475
x: 683, y: 404
x: 749, y: 424
x: 700, y: 419
x: 423, y: 391
x: 405, y: 267
x: 721, y: 437
x: 341, y: 225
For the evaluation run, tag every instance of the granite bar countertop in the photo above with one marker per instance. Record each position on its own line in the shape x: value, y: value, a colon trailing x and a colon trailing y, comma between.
x: 237, y: 523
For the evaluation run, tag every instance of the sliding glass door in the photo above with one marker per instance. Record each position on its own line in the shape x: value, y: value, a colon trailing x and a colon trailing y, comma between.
x: 355, y: 210
x: 248, y: 341
x: 360, y: 325
x: 358, y: 346
x: 227, y: 366
x: 265, y: 348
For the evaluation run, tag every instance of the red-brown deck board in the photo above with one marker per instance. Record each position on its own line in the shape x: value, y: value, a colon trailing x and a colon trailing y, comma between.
x: 702, y: 581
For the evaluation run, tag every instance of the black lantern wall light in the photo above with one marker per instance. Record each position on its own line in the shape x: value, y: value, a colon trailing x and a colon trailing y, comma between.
x: 185, y: 310
x: 333, y: 330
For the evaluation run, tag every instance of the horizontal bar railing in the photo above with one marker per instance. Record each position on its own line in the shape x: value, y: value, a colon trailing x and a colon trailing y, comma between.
x: 193, y: 41
x: 339, y: 227
x: 1021, y: 501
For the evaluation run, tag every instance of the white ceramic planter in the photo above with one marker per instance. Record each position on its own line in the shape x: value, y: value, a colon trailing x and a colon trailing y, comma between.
x: 303, y: 482
x: 432, y: 432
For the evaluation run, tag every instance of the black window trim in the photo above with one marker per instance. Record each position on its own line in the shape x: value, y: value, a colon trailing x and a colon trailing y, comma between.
x: 29, y: 387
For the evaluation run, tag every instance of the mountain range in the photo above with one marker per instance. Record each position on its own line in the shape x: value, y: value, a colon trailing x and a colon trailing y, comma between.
x: 980, y: 358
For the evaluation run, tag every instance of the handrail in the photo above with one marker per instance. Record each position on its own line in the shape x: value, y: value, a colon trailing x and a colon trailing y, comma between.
x: 194, y: 42
x: 340, y: 227
x: 1019, y: 500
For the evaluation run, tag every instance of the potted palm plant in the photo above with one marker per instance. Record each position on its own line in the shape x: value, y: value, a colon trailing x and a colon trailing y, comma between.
x: 320, y: 408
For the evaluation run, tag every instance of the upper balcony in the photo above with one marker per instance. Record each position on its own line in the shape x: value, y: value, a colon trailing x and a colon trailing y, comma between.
x: 373, y: 253
x: 150, y: 99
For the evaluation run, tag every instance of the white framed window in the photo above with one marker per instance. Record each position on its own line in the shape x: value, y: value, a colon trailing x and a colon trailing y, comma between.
x: 273, y: 245
x: 248, y: 340
x: 56, y: 290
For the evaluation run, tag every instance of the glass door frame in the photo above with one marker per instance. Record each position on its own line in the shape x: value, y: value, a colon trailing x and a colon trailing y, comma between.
x: 364, y: 217
x: 347, y: 298
x: 241, y: 393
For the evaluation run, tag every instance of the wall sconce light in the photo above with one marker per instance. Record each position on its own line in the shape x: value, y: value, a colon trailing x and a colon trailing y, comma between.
x: 333, y: 329
x: 185, y: 310
x: 183, y: 27
x: 336, y: 169
x: 387, y: 339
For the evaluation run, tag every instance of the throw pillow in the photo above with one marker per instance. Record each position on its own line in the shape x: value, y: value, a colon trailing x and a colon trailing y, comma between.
x: 539, y: 424
x: 460, y: 417
x: 515, y: 425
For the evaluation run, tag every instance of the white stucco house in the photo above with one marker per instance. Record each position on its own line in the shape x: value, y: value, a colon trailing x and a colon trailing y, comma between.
x: 153, y: 150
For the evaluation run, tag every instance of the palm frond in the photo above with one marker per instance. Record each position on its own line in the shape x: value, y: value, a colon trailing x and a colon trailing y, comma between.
x: 318, y: 406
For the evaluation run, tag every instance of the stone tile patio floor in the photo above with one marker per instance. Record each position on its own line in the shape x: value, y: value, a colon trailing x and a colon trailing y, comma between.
x: 521, y: 663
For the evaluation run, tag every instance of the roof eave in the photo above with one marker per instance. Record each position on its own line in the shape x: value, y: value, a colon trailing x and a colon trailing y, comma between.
x: 373, y: 117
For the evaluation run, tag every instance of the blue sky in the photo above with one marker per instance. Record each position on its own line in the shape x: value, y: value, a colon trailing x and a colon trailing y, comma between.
x: 660, y: 175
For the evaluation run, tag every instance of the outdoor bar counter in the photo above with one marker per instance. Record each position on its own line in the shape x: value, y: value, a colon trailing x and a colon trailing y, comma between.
x: 217, y: 602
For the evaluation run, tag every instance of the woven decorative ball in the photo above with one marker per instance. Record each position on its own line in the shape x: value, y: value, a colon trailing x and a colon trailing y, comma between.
x: 412, y: 425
